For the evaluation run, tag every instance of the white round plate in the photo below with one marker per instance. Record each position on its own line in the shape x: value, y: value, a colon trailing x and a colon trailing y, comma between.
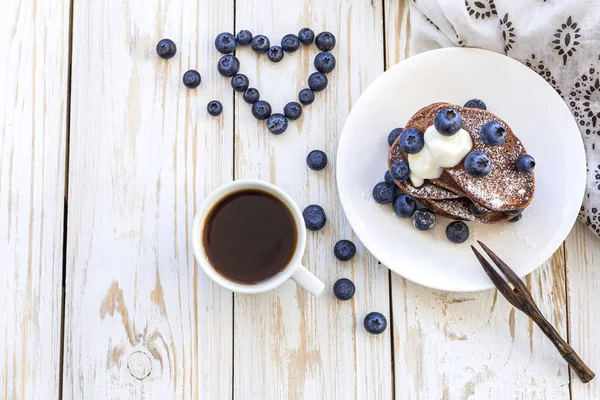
x: 537, y: 115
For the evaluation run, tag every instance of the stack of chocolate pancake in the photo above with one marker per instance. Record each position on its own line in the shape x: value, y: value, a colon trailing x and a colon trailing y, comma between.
x: 497, y: 197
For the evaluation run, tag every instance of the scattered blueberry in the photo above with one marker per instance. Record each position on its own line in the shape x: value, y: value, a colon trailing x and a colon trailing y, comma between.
x: 325, y: 62
x: 314, y: 217
x: 191, y: 79
x: 478, y: 164
x: 476, y: 211
x: 306, y: 36
x: 261, y: 109
x: 214, y: 108
x: 290, y: 43
x: 344, y: 250
x: 306, y: 96
x: 228, y: 66
x: 516, y: 218
x: 387, y: 177
x: 375, y: 323
x: 317, y: 81
x: 457, y: 232
x: 251, y: 95
x: 325, y: 41
x: 277, y: 123
x: 292, y: 110
x: 316, y: 160
x: 383, y: 193
x: 260, y: 44
x: 394, y: 135
x: 447, y: 122
x: 244, y: 37
x: 512, y: 212
x: 240, y: 83
x: 275, y: 54
x: 525, y: 164
x: 476, y: 103
x: 424, y: 219
x: 412, y: 141
x: 405, y: 205
x: 225, y: 43
x: 400, y: 171
x: 493, y: 133
x: 166, y: 48
x: 344, y: 289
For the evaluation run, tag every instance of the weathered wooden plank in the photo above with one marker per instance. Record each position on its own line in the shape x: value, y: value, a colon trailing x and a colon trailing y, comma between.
x: 33, y: 130
x: 142, y: 319
x: 583, y: 277
x: 289, y: 344
x: 472, y: 345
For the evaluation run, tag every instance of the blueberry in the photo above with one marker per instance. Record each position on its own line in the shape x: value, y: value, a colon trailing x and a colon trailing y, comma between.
x: 400, y: 171
x: 325, y: 62
x: 393, y: 135
x: 476, y: 103
x: 240, y: 83
x: 306, y: 36
x: 383, y: 193
x: 447, y: 122
x: 225, y: 43
x: 275, y: 54
x: 243, y: 37
x: 478, y: 164
x: 457, y: 232
x: 277, y: 123
x: 525, y: 163
x: 214, y: 108
x: 166, y: 48
x: 516, y: 218
x: 251, y: 95
x: 344, y: 250
x: 261, y: 109
x: 512, y: 212
x: 424, y: 219
x: 292, y: 110
x: 387, y: 177
x: 316, y: 160
x: 476, y: 211
x: 344, y: 289
x: 191, y: 79
x: 306, y: 96
x: 325, y: 41
x: 290, y: 43
x: 375, y: 323
x: 493, y: 133
x: 317, y: 81
x: 260, y: 44
x: 314, y: 217
x: 405, y: 205
x: 228, y: 66
x: 412, y: 141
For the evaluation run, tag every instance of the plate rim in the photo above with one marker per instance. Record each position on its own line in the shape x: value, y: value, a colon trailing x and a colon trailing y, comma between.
x: 488, y: 53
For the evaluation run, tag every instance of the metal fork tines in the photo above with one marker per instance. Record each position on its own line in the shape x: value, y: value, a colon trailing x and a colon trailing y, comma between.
x: 519, y: 296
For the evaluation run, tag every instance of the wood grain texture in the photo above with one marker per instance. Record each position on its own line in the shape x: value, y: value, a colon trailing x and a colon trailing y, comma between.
x: 473, y: 345
x: 289, y: 344
x: 34, y: 37
x: 583, y: 276
x: 141, y: 320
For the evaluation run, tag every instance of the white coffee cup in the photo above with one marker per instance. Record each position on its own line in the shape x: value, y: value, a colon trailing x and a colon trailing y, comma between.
x: 294, y: 270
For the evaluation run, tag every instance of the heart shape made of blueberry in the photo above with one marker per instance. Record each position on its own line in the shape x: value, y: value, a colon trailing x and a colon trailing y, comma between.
x: 229, y: 67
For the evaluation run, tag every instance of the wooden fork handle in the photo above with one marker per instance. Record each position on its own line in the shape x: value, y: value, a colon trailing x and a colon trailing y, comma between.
x: 581, y: 369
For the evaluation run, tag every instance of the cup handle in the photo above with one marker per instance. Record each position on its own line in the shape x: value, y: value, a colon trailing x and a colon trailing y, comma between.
x: 307, y: 280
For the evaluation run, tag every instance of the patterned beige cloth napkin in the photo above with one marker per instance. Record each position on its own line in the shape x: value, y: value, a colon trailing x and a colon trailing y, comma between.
x: 558, y: 39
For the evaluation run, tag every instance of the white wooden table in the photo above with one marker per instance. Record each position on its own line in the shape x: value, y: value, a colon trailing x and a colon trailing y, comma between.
x: 104, y: 158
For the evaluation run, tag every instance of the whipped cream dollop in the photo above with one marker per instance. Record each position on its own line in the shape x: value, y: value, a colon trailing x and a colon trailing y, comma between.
x: 438, y: 153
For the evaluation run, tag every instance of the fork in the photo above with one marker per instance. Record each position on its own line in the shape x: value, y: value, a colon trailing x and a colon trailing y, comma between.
x: 519, y: 296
